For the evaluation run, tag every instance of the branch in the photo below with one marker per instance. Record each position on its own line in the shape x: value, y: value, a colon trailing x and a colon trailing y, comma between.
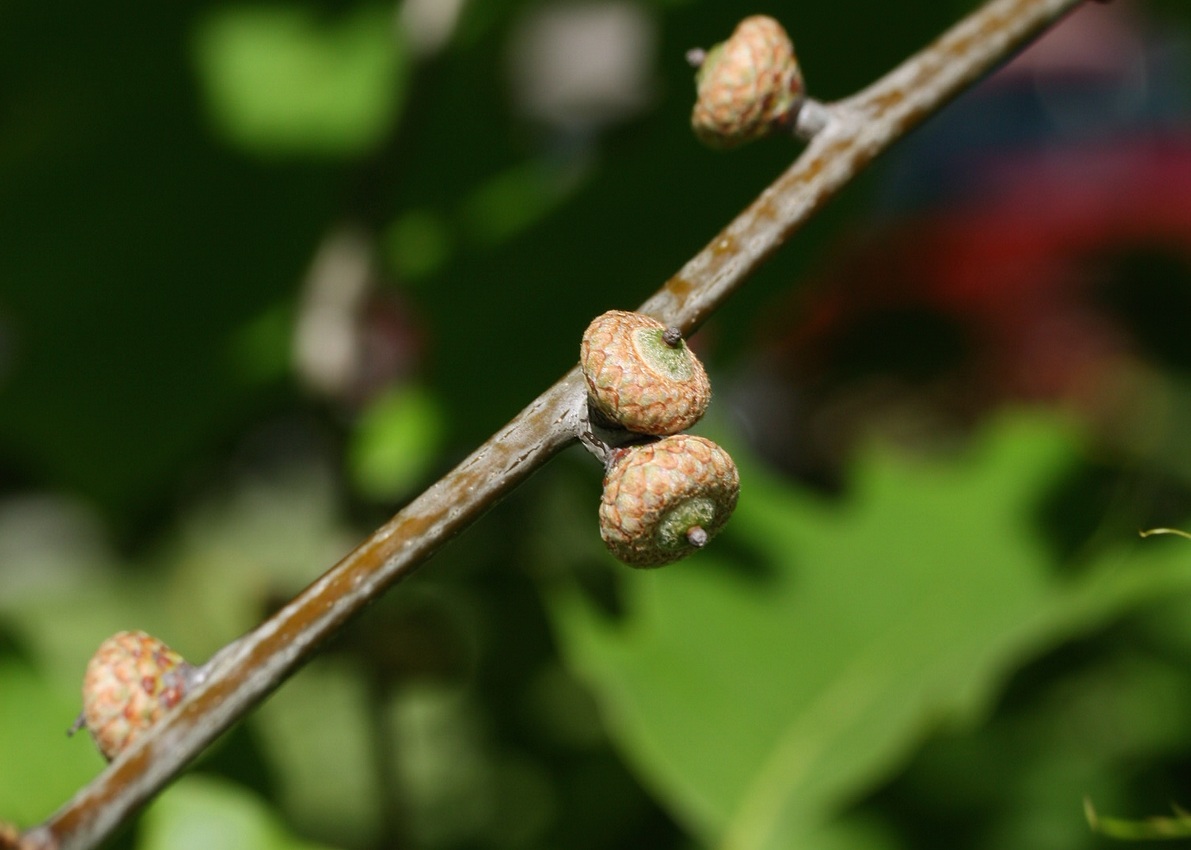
x: 848, y: 135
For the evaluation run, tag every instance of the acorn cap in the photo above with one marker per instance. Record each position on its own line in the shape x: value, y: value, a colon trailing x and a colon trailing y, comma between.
x: 664, y: 500
x: 748, y: 85
x: 641, y: 375
x: 131, y: 680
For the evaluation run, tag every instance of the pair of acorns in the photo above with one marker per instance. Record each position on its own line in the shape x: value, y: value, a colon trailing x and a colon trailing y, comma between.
x: 668, y: 496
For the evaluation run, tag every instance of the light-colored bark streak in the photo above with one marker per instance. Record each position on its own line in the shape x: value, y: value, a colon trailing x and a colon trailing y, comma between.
x: 242, y: 674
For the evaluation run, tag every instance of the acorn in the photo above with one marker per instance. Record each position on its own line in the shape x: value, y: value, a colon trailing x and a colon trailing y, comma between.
x: 666, y: 499
x: 747, y: 86
x: 131, y: 680
x: 641, y: 375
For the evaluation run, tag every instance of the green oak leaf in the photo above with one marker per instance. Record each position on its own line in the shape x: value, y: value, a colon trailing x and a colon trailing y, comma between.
x: 758, y: 708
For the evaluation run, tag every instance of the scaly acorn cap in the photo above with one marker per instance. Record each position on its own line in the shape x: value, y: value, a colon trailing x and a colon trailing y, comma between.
x: 641, y: 375
x: 131, y: 680
x: 666, y: 499
x: 747, y: 86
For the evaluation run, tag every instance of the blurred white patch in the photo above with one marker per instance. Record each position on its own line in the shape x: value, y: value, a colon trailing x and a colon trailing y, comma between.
x: 579, y: 67
x: 47, y: 542
x: 354, y: 336
x: 327, y: 347
x: 429, y: 24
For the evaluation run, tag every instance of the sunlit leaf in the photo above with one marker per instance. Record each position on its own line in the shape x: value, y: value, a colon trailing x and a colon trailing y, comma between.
x: 758, y: 703
x: 281, y: 79
x: 396, y: 442
x: 42, y: 767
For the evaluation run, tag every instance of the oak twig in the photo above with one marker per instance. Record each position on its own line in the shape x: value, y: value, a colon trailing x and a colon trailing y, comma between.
x: 846, y: 136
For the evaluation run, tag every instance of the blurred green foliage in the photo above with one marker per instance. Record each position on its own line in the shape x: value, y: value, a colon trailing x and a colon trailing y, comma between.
x: 284, y: 80
x: 395, y: 440
x: 760, y: 706
x: 204, y: 403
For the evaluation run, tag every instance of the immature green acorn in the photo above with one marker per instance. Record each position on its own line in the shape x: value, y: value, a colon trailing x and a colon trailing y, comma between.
x: 666, y: 499
x: 131, y: 680
x: 641, y: 375
x: 747, y: 86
